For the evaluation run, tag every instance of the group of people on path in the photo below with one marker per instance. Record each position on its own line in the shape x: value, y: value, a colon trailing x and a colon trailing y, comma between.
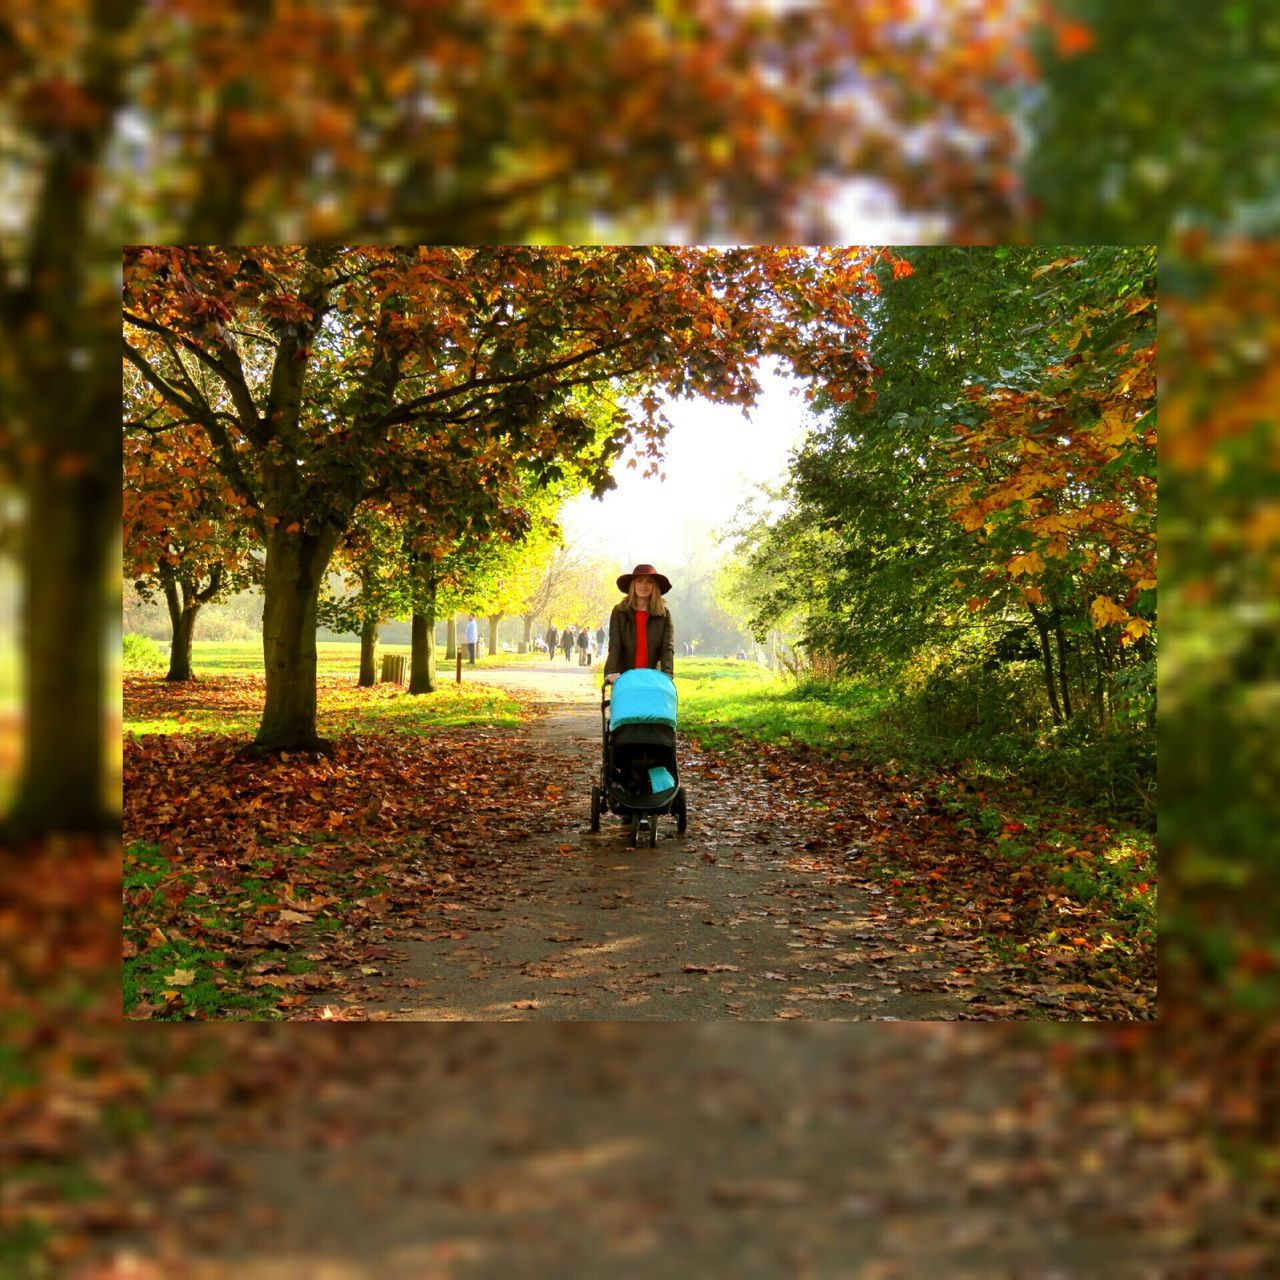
x: 641, y: 631
x: 580, y: 639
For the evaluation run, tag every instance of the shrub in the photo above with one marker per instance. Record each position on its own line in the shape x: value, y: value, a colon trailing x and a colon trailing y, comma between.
x: 966, y: 697
x: 809, y: 664
x: 142, y: 654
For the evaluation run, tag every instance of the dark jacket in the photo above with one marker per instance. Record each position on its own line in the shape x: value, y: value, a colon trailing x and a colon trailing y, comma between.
x: 622, y: 642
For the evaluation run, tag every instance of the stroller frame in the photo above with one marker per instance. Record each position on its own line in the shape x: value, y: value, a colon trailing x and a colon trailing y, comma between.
x: 610, y: 797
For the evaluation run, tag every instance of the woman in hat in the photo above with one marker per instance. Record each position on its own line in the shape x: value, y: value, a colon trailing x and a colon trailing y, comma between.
x: 641, y: 632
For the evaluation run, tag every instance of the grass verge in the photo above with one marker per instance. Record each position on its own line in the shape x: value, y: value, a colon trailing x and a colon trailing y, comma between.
x: 1095, y: 854
x: 228, y: 694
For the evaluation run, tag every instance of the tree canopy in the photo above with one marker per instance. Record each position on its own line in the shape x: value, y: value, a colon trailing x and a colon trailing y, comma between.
x: 1006, y: 468
x: 442, y: 381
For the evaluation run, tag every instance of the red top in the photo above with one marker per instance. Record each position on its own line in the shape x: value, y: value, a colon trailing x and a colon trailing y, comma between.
x: 642, y: 637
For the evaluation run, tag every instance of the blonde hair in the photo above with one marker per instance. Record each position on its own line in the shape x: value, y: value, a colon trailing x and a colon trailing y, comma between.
x: 656, y: 605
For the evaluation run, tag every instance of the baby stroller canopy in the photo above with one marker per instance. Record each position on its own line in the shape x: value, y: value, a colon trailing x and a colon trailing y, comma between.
x: 643, y: 696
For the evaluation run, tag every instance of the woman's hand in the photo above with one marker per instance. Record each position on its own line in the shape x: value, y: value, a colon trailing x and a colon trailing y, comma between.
x: 611, y: 677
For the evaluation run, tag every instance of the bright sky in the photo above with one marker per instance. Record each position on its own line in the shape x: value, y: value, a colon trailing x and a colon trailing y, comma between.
x: 715, y: 459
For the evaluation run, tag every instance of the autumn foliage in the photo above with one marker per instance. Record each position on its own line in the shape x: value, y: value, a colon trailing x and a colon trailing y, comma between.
x: 441, y: 381
x: 1057, y: 476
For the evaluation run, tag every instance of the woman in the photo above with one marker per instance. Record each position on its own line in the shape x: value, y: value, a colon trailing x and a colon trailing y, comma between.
x: 641, y: 631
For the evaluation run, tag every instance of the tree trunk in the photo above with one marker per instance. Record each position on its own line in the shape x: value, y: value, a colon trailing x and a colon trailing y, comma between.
x: 368, y: 653
x: 451, y: 639
x: 1042, y: 630
x: 70, y: 589
x: 62, y: 391
x: 422, y: 661
x: 295, y: 570
x: 180, y: 648
x: 527, y: 639
x: 1062, y: 664
x: 1100, y: 681
x: 494, y: 619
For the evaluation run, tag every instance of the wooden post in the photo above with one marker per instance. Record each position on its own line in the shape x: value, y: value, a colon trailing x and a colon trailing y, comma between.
x: 393, y: 667
x: 459, y: 677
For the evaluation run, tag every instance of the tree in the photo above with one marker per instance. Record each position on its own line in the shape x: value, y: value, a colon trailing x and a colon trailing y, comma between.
x: 1056, y: 479
x: 370, y: 557
x: 1147, y: 119
x: 511, y: 571
x: 183, y: 537
x: 175, y: 123
x: 1004, y: 429
x: 389, y: 365
x: 548, y: 584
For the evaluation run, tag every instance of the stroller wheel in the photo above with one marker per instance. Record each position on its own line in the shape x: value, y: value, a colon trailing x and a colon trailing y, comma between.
x: 595, y: 808
x: 682, y: 813
x: 653, y: 830
x: 635, y: 829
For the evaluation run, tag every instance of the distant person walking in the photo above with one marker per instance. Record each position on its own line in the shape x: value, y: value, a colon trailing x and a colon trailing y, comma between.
x: 473, y: 635
x: 566, y: 642
x: 600, y: 638
x: 552, y: 638
x: 582, y: 642
x: 641, y: 630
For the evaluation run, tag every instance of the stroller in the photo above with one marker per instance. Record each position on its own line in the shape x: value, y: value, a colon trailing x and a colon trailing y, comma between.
x: 639, y: 777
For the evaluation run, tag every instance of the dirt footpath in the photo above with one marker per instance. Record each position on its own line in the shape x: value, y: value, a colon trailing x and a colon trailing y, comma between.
x: 757, y: 1153
x: 733, y: 920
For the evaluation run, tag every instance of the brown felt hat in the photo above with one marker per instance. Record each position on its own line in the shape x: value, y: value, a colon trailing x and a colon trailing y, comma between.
x: 643, y: 571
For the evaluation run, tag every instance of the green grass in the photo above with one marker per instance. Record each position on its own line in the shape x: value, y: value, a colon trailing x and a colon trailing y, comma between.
x: 720, y: 698
x: 216, y: 990
x: 225, y: 697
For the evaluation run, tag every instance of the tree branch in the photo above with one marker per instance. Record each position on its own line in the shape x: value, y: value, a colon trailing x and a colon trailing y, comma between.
x: 241, y: 396
x: 166, y: 389
x: 410, y: 409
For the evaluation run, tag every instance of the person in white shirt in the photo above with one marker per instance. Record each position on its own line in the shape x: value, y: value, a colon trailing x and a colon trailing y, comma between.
x: 473, y: 635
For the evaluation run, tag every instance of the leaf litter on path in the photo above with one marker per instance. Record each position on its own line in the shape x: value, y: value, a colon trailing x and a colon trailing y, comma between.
x: 402, y: 842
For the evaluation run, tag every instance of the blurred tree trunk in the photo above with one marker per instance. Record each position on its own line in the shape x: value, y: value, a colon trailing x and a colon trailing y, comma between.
x: 67, y: 566
x: 60, y: 378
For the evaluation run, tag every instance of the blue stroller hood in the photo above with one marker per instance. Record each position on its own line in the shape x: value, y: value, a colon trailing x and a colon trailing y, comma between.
x: 643, y: 696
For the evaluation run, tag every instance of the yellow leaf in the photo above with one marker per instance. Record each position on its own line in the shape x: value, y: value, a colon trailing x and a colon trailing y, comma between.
x: 1033, y: 594
x: 181, y: 977
x: 1137, y: 627
x: 1029, y: 563
x: 1105, y: 611
x: 1114, y: 428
